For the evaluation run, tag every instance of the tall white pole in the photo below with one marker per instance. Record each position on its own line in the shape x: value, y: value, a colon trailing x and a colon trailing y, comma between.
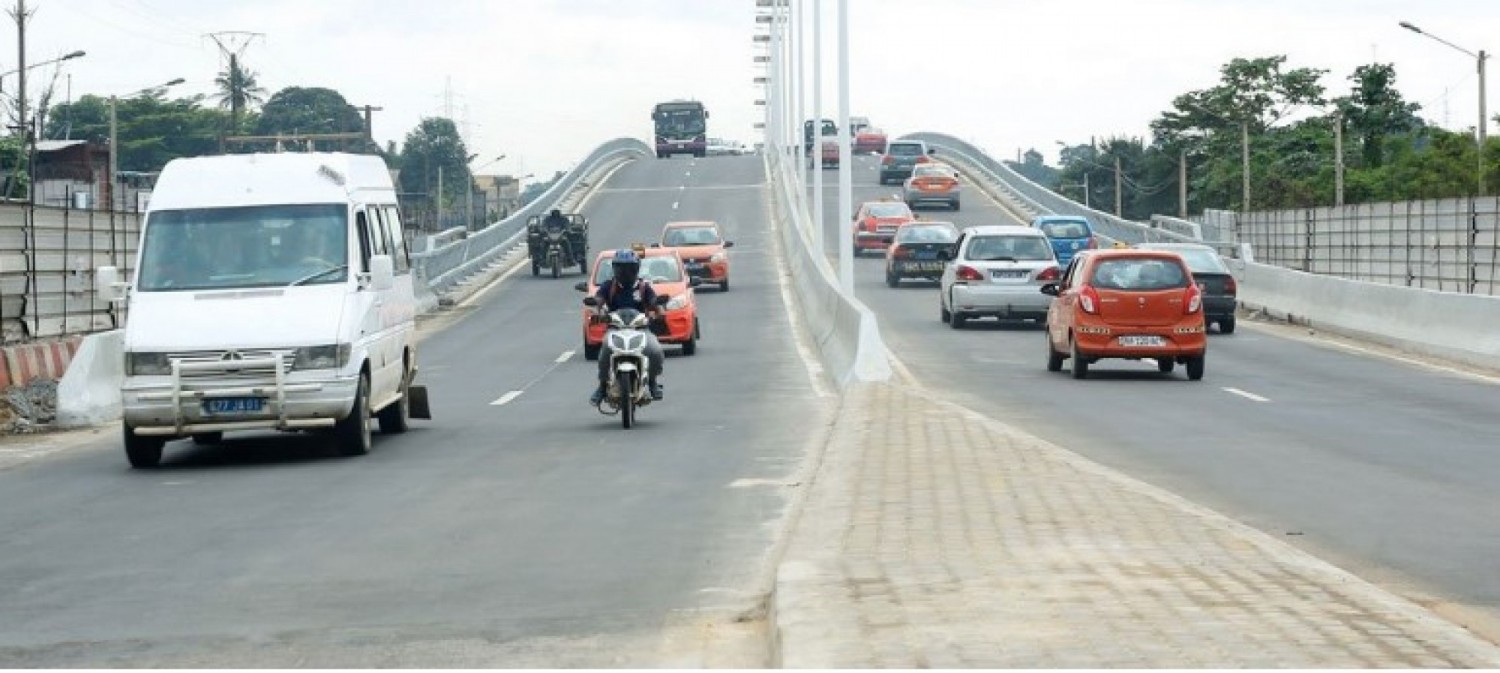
x: 801, y: 85
x: 846, y: 176
x: 773, y: 91
x: 817, y: 124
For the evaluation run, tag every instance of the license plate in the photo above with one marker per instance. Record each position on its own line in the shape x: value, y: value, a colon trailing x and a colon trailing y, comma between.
x: 924, y: 266
x: 692, y: 266
x: 1142, y: 341
x: 1008, y: 274
x: 234, y: 405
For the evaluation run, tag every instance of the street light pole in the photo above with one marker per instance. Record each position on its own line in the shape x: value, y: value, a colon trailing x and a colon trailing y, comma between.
x: 817, y: 127
x: 846, y: 176
x: 1481, y: 130
x: 114, y: 139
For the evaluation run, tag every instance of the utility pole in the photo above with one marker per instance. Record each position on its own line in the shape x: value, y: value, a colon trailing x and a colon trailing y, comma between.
x: 1338, y: 158
x: 1086, y: 189
x: 1182, y: 184
x: 1483, y: 123
x: 1117, y: 186
x: 1245, y: 165
x: 22, y: 16
x: 227, y: 47
x: 370, y: 111
x: 439, y: 198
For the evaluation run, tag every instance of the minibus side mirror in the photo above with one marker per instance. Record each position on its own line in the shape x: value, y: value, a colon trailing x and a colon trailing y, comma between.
x: 382, y: 273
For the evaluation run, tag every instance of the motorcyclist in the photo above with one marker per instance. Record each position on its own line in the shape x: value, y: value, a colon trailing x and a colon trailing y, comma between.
x: 556, y: 220
x: 626, y: 290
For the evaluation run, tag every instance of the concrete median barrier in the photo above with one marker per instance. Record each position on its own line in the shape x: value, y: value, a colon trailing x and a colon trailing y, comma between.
x: 89, y: 392
x: 1460, y: 327
x: 844, y: 331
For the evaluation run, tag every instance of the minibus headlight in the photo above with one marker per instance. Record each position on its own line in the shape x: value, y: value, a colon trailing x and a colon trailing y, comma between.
x: 332, y: 356
x: 147, y: 364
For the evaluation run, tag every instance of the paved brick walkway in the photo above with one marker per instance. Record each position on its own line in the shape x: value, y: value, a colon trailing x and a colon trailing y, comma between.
x: 934, y: 537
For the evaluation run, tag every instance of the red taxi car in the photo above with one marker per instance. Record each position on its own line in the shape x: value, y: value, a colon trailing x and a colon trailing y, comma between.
x: 876, y: 222
x: 1126, y: 304
x: 702, y: 248
x: 664, y: 270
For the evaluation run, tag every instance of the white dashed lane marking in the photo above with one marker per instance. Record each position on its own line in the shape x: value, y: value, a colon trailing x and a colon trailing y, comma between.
x: 1249, y: 396
x: 564, y: 357
x: 506, y: 398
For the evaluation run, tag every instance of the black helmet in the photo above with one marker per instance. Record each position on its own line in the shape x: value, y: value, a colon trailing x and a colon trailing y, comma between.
x: 555, y: 213
x: 626, y: 266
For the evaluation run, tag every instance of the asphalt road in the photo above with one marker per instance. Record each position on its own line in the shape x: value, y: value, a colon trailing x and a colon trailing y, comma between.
x: 533, y: 533
x: 1387, y: 469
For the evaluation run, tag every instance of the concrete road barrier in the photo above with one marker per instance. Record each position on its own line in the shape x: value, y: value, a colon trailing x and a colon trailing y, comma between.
x: 89, y: 392
x: 1460, y: 327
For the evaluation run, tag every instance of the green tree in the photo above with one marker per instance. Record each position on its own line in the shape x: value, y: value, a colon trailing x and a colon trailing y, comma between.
x: 433, y: 144
x: 1035, y: 168
x: 1375, y: 110
x: 238, y: 90
x: 152, y: 130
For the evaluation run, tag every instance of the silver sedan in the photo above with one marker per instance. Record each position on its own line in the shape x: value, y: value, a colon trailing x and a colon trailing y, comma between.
x: 998, y: 271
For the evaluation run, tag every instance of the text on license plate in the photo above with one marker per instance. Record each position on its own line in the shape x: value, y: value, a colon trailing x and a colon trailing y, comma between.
x: 1007, y: 274
x: 234, y: 405
x: 1142, y: 341
x: 924, y: 266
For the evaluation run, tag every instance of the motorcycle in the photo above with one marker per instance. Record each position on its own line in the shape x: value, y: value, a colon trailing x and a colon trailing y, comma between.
x: 626, y: 391
x: 554, y: 245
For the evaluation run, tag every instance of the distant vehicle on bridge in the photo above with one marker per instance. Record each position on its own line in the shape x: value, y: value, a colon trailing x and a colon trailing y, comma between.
x: 681, y: 128
x: 825, y: 129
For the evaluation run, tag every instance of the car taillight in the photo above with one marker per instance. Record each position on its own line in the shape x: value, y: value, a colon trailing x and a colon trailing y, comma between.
x: 968, y: 273
x: 923, y: 160
x: 1194, y: 300
x: 899, y: 252
x: 1088, y: 299
x: 1049, y: 273
x: 887, y: 160
x: 1231, y: 288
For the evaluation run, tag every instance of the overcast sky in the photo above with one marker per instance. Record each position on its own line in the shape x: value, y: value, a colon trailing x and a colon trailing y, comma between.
x: 544, y: 81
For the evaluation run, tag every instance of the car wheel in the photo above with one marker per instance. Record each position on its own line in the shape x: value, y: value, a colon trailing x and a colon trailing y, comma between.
x: 892, y: 280
x: 944, y: 315
x: 957, y: 319
x: 1195, y: 368
x: 1080, y: 363
x: 142, y: 452
x: 353, y: 433
x: 955, y: 205
x: 208, y: 438
x: 724, y: 286
x: 536, y: 267
x: 1226, y: 325
x: 690, y: 345
x: 1054, y: 358
x: 591, y: 352
x: 396, y: 417
x: 1165, y: 365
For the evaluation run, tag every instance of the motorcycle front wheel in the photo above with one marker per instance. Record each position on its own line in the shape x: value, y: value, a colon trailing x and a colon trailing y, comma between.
x: 626, y: 383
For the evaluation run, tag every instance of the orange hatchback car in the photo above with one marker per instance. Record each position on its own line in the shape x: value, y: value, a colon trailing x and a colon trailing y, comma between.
x: 663, y: 269
x: 1126, y: 304
x: 703, y: 250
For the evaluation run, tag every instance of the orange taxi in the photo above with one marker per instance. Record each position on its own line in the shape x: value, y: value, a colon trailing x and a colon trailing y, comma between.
x: 1127, y: 304
x: 703, y: 250
x: 876, y: 222
x: 663, y: 268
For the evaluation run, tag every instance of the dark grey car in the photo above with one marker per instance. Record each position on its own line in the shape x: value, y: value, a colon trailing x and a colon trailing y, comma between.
x: 901, y: 156
x: 1220, y: 291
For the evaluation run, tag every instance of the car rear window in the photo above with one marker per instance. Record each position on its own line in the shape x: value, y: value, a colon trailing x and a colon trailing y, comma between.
x: 933, y: 172
x: 1200, y: 260
x: 1139, y: 273
x: 890, y: 210
x: 680, y: 236
x: 1064, y: 229
x: 905, y: 150
x: 927, y: 233
x: 1012, y: 247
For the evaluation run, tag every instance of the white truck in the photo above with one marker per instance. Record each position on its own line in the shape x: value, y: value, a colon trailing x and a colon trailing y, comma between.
x: 271, y: 292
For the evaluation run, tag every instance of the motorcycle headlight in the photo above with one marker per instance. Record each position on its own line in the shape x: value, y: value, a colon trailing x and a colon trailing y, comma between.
x: 677, y: 302
x: 718, y: 257
x: 147, y: 364
x: 332, y: 356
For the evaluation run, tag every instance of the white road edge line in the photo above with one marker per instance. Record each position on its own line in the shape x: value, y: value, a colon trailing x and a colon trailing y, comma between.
x: 506, y: 398
x: 1248, y: 396
x: 564, y: 357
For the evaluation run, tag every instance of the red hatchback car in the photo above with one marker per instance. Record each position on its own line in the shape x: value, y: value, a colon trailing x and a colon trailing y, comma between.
x: 1127, y: 304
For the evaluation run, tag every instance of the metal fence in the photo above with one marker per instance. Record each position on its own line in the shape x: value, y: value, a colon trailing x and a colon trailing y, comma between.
x: 1450, y: 245
x: 47, y: 261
